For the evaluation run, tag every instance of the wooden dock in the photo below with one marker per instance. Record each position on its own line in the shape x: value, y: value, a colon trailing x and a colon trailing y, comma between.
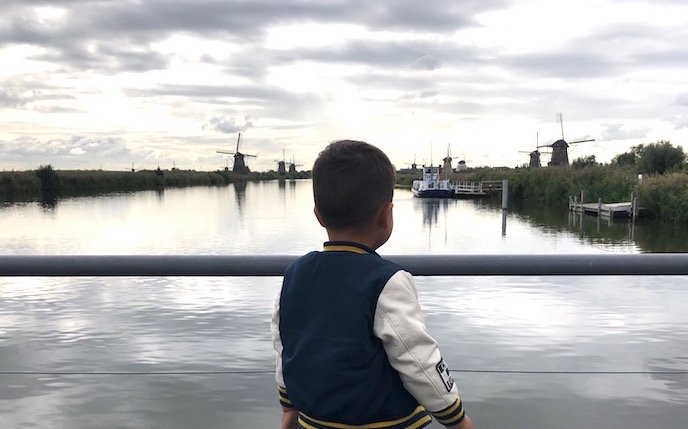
x: 629, y: 209
x: 476, y: 189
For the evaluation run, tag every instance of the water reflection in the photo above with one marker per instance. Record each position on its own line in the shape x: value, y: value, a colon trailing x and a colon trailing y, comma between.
x: 661, y: 237
x: 49, y: 201
x: 221, y: 325
x: 160, y: 193
x: 430, y: 209
x: 240, y: 194
x: 645, y: 235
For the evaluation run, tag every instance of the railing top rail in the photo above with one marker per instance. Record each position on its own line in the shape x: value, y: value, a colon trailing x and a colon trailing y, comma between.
x: 274, y: 265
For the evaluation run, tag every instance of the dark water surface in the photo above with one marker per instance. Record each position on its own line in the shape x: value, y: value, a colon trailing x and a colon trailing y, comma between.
x: 528, y: 352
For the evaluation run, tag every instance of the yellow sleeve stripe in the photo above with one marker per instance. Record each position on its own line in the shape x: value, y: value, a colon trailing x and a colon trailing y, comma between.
x: 449, y: 410
x: 420, y: 423
x: 304, y: 419
x: 453, y: 420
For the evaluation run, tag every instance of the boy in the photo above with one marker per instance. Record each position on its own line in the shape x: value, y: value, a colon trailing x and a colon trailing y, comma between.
x: 352, y: 349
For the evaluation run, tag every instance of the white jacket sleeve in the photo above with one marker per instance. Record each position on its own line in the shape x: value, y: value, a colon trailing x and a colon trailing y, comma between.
x: 277, y: 343
x: 400, y: 324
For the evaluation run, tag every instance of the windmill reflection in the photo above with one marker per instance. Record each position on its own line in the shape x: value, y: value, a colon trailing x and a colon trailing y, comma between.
x: 240, y: 194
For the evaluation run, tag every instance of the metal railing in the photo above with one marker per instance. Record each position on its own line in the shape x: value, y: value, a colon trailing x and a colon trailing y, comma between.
x: 274, y: 265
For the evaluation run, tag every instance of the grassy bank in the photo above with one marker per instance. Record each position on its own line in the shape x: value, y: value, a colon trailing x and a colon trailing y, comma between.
x: 47, y: 183
x: 664, y: 196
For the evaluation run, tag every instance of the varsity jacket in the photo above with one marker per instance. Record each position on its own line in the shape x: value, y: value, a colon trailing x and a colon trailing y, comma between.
x: 352, y: 348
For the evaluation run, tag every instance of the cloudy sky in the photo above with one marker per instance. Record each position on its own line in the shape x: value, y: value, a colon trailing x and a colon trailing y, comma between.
x: 103, y: 84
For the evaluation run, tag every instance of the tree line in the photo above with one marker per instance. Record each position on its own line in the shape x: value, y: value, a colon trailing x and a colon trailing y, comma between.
x: 653, y: 158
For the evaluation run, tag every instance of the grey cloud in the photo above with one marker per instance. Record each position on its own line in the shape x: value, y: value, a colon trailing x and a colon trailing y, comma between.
x: 569, y: 65
x: 23, y: 94
x: 64, y: 151
x: 113, y: 36
x: 426, y: 62
x: 56, y: 109
x: 106, y: 58
x: 682, y: 99
x: 418, y: 95
x: 250, y: 17
x: 664, y: 58
x: 110, y: 152
x: 610, y: 52
x: 427, y: 94
x: 619, y: 132
x: 256, y: 101
x: 227, y: 125
x: 679, y: 121
x: 246, y: 92
x: 633, y: 46
x: 391, y: 55
x: 12, y: 99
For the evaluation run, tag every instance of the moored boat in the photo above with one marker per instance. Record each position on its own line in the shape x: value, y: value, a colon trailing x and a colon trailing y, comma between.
x: 431, y: 185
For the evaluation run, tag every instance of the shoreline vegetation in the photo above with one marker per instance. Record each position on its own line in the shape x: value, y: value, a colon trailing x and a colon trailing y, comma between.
x: 664, y: 196
x: 47, y: 185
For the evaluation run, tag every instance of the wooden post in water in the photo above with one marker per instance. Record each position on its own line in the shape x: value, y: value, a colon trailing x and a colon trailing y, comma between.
x: 599, y: 207
x: 582, y: 201
x: 505, y: 193
x: 634, y: 206
x: 505, y: 199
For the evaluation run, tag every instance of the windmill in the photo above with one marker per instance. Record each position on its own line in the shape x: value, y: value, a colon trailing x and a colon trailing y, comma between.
x: 447, y: 166
x: 534, y: 155
x: 560, y: 152
x: 461, y: 165
x: 281, y: 163
x: 239, y: 164
x: 293, y: 165
x: 413, y: 167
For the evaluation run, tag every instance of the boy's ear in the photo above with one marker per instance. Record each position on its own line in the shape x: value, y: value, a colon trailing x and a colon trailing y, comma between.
x: 317, y: 216
x: 385, y: 214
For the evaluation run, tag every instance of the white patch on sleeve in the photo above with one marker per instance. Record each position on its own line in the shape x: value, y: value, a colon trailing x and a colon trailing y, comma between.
x: 443, y: 371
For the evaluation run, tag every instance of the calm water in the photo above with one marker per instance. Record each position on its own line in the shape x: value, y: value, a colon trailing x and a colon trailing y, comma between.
x: 120, y: 338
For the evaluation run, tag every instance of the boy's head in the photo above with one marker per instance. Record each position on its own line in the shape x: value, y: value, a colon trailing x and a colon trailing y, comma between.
x: 352, y: 182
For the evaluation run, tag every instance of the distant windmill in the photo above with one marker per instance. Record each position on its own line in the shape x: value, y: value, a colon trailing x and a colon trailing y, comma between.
x: 293, y: 165
x: 461, y: 165
x: 534, y: 155
x: 447, y: 166
x: 413, y: 166
x: 281, y: 165
x: 560, y: 152
x: 239, y: 164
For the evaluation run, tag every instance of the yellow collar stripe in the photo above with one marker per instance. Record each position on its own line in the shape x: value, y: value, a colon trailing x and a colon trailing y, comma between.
x: 344, y: 248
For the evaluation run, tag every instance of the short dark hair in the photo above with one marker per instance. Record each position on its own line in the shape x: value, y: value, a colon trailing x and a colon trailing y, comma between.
x: 351, y: 181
